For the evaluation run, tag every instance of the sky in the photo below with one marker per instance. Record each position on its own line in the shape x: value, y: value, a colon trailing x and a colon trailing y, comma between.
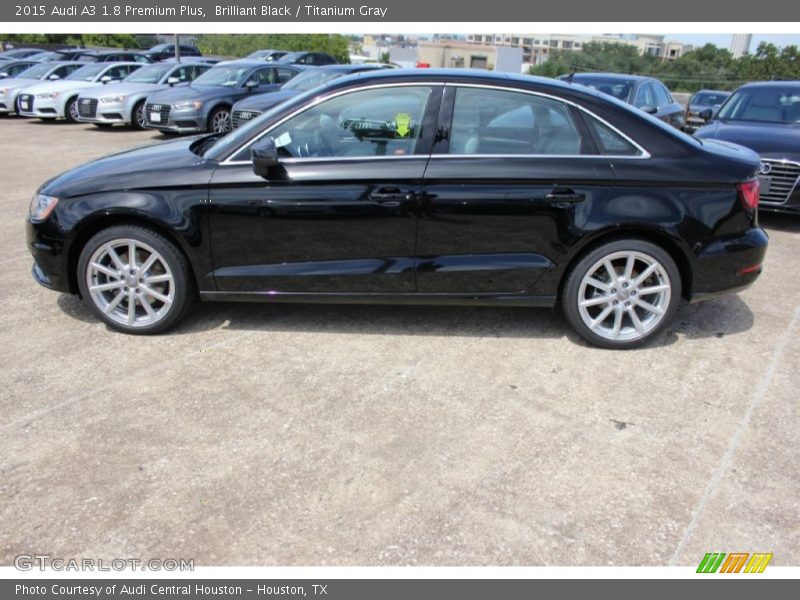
x: 724, y: 41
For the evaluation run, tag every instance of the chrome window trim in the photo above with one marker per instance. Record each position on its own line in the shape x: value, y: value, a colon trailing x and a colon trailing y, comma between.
x: 643, y: 153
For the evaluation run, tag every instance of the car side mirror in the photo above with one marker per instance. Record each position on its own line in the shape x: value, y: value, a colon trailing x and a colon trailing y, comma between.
x: 3, y: 75
x: 650, y: 110
x: 706, y: 114
x: 54, y: 77
x: 105, y: 79
x: 264, y: 154
x: 251, y: 85
x: 172, y: 81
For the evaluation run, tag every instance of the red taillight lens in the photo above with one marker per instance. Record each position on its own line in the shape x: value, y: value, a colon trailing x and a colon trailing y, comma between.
x: 748, y: 193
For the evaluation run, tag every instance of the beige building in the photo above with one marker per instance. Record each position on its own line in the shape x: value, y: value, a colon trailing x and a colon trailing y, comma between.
x: 537, y: 47
x: 456, y: 54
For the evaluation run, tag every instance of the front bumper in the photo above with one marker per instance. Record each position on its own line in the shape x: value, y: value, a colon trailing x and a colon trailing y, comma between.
x: 175, y: 120
x: 44, y: 108
x: 727, y: 265
x: 49, y: 256
x: 105, y: 113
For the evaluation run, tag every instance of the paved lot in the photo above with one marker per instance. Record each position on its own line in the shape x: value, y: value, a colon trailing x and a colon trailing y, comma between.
x: 347, y: 435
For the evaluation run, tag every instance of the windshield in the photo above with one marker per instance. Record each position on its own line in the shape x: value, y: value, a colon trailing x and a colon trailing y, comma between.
x: 308, y: 80
x: 149, y: 74
x: 619, y: 88
x: 226, y: 75
x: 774, y: 104
x: 709, y: 99
x: 35, y: 72
x: 87, y: 73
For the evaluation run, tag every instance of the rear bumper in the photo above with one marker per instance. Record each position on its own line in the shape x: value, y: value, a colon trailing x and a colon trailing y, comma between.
x: 728, y: 265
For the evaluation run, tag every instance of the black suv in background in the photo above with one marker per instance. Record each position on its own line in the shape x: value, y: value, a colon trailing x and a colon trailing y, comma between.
x: 645, y: 93
x: 90, y: 56
x: 765, y: 117
x: 307, y: 58
x: 161, y: 52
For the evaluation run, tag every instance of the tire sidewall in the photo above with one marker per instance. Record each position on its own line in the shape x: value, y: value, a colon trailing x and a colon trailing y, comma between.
x: 170, y: 253
x: 569, y: 300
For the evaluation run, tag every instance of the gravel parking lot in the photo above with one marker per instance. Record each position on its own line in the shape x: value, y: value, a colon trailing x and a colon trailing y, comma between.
x: 347, y: 435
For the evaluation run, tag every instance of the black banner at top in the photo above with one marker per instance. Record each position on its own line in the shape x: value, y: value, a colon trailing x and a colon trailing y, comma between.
x: 387, y: 11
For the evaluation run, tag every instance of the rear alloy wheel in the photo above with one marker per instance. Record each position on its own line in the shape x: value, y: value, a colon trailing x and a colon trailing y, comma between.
x: 71, y: 110
x: 622, y: 294
x: 138, y: 118
x: 220, y: 120
x: 134, y: 279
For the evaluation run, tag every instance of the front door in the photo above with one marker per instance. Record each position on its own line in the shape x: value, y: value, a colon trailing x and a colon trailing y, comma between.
x: 339, y: 216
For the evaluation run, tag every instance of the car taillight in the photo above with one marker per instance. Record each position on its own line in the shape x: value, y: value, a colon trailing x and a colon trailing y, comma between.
x: 748, y: 193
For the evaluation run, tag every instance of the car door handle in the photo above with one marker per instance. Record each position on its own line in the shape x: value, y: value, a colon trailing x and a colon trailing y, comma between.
x: 390, y: 197
x: 564, y: 196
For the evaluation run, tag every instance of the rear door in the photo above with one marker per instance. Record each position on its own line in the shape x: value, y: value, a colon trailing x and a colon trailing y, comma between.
x: 510, y: 183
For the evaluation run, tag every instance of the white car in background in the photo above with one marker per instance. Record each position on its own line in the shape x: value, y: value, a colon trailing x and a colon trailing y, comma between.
x: 49, y: 71
x: 59, y: 99
x: 124, y: 102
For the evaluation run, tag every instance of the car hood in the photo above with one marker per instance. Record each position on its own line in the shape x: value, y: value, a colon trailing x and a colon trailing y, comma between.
x: 14, y: 83
x: 62, y: 85
x: 194, y: 92
x: 167, y: 163
x: 764, y: 138
x: 262, y: 102
x: 122, y: 89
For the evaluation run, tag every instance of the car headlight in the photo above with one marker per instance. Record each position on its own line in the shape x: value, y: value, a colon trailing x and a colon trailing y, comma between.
x: 185, y: 104
x: 41, y: 207
x: 112, y: 99
x: 48, y: 95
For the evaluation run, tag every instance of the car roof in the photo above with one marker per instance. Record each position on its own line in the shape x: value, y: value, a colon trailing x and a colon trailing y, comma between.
x: 704, y: 91
x: 612, y: 76
x: 769, y: 84
x: 243, y: 62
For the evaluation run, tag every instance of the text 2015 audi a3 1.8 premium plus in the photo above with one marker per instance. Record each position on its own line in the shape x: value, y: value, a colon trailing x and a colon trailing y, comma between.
x: 421, y: 186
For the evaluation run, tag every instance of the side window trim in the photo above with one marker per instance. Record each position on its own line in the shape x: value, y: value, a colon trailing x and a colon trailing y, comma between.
x: 444, y: 125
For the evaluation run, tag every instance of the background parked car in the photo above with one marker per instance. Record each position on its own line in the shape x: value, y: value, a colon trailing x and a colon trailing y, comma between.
x: 58, y: 99
x: 307, y: 58
x: 112, y: 56
x: 205, y: 104
x: 12, y: 68
x: 124, y: 103
x: 268, y: 55
x: 18, y: 53
x: 63, y: 54
x: 208, y: 60
x: 48, y: 71
x: 765, y: 117
x: 250, y: 107
x: 161, y: 52
x: 699, y: 103
x: 645, y: 93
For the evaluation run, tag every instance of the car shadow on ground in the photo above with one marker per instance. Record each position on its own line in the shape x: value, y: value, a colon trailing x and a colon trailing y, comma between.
x: 779, y: 222
x: 714, y: 318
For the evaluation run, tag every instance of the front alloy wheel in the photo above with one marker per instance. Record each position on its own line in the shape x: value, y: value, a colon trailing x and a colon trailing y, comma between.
x: 134, y: 279
x: 622, y: 293
x: 139, y: 120
x: 71, y: 113
x: 220, y: 121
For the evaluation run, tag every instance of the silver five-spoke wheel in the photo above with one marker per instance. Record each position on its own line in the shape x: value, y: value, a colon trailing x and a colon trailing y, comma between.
x: 130, y: 282
x: 624, y: 295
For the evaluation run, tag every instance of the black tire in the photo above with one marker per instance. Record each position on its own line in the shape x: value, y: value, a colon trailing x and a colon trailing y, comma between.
x: 182, y: 294
x: 135, y: 114
x: 216, y: 115
x: 572, y: 294
x: 68, y: 110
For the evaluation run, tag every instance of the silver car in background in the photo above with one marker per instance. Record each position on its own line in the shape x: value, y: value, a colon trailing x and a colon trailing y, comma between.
x: 49, y: 71
x: 124, y: 103
x: 59, y: 99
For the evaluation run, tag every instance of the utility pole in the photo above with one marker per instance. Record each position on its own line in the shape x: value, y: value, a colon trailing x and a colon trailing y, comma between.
x: 177, y: 48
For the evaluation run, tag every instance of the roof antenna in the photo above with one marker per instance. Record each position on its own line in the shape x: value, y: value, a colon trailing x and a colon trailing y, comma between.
x: 570, y: 76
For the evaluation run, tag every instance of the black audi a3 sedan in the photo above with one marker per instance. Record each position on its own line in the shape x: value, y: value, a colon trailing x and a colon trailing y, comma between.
x: 765, y: 117
x: 423, y: 186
